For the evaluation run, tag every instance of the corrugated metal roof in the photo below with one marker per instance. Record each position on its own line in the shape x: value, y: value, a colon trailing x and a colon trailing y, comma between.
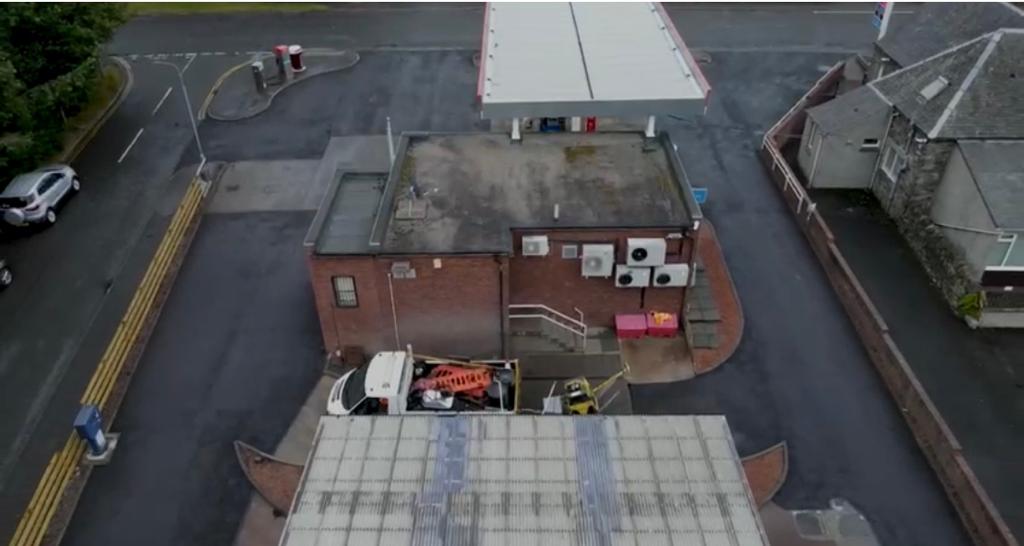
x: 480, y: 479
x: 563, y: 59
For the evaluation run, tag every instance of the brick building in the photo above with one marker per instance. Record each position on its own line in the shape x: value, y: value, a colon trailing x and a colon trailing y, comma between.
x: 467, y: 225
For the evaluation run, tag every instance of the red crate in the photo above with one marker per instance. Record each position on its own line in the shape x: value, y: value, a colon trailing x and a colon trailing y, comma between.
x: 630, y: 326
x: 662, y: 324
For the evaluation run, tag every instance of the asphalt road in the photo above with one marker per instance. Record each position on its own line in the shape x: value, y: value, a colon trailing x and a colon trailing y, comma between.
x: 789, y: 27
x: 235, y: 354
x: 974, y: 378
x: 800, y: 373
x: 74, y: 280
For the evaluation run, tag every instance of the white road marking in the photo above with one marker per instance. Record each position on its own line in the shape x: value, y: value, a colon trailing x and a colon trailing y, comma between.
x: 854, y: 12
x: 189, y: 63
x: 162, y: 99
x: 126, y: 150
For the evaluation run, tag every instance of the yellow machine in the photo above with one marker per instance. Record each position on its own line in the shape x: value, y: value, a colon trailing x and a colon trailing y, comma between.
x: 579, y: 398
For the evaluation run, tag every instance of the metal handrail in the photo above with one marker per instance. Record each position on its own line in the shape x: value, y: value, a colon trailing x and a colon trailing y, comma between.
x: 574, y: 326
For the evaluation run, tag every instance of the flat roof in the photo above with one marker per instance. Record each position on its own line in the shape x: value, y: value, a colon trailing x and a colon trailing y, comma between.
x: 464, y: 193
x: 522, y: 479
x: 585, y: 59
x: 343, y: 223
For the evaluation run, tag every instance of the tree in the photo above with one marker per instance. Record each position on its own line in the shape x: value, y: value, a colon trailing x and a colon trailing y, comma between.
x: 13, y: 113
x: 44, y: 41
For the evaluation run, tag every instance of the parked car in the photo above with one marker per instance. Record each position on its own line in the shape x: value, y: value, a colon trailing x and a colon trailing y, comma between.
x: 6, y: 276
x: 33, y: 198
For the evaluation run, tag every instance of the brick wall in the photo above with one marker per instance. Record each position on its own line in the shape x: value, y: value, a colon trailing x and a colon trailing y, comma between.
x: 363, y: 325
x: 556, y: 282
x: 454, y: 309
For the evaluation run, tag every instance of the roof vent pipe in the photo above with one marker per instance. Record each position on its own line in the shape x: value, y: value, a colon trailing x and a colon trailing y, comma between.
x: 556, y: 212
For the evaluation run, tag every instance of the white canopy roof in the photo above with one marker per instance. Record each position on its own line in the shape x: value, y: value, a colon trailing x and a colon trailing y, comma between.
x: 585, y: 59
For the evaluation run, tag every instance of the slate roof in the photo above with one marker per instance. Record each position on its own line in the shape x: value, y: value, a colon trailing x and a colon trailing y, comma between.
x: 847, y: 110
x: 935, y: 27
x: 998, y: 169
x: 984, y: 97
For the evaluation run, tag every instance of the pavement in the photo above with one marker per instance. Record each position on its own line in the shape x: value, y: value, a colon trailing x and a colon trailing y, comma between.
x: 238, y: 98
x: 800, y: 373
x: 974, y: 377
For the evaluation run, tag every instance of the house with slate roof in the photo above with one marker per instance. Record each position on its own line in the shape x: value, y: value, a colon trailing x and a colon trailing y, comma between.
x: 939, y: 142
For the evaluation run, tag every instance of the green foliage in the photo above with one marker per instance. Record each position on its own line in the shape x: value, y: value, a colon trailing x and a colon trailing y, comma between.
x: 49, y: 68
x: 49, y: 40
x: 971, y: 305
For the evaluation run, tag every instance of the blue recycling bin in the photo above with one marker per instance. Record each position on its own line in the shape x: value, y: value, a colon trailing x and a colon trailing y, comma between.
x: 89, y: 427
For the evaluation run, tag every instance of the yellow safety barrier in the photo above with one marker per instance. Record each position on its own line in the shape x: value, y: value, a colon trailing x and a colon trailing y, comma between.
x: 35, y: 520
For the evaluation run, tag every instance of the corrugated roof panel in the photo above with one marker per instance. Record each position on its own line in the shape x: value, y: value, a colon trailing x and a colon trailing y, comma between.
x: 523, y: 480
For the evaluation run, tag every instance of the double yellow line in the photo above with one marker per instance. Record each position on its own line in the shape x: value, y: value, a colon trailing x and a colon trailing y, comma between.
x: 35, y: 521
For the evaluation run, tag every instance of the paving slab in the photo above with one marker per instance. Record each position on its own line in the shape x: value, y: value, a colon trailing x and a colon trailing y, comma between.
x: 656, y: 360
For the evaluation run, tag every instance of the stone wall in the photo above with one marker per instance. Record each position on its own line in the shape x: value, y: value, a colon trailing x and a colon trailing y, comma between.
x: 910, y: 204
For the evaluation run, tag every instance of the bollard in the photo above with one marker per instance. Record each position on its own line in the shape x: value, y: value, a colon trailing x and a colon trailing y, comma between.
x: 257, y: 76
x: 295, y: 54
x: 280, y: 51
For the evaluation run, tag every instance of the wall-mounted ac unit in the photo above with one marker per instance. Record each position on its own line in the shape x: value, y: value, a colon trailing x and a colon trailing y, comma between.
x: 535, y: 245
x: 645, y: 252
x: 632, y: 277
x: 671, y: 275
x: 598, y: 260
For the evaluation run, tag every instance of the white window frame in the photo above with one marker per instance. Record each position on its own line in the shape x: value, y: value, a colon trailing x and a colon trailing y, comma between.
x: 892, y: 169
x: 345, y: 298
x: 1012, y: 239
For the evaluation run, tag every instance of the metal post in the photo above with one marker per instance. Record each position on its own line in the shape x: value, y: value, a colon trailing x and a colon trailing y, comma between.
x: 391, y: 145
x: 649, y: 130
x: 188, y: 106
x: 886, y: 15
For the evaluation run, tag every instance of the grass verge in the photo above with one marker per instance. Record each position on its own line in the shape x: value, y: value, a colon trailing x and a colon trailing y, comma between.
x: 185, y: 8
x: 106, y: 90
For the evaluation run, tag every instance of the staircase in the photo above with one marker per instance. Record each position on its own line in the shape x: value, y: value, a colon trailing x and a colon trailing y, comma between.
x: 539, y: 328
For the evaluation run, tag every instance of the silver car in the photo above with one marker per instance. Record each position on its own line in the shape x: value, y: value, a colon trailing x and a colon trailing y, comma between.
x: 6, y: 277
x: 32, y: 198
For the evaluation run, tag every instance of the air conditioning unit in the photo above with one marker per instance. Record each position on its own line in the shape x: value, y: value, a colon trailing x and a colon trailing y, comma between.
x: 632, y: 277
x: 535, y: 245
x: 671, y: 275
x: 598, y: 260
x: 645, y: 252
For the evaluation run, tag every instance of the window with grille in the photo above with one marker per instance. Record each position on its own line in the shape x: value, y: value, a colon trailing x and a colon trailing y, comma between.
x: 345, y: 292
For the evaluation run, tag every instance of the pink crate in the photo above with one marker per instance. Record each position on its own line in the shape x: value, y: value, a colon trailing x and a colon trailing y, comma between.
x: 630, y: 326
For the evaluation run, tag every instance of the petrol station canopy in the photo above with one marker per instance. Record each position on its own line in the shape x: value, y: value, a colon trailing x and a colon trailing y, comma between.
x: 585, y: 59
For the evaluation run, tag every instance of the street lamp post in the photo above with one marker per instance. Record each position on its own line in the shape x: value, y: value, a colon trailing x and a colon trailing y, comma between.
x: 188, y: 106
